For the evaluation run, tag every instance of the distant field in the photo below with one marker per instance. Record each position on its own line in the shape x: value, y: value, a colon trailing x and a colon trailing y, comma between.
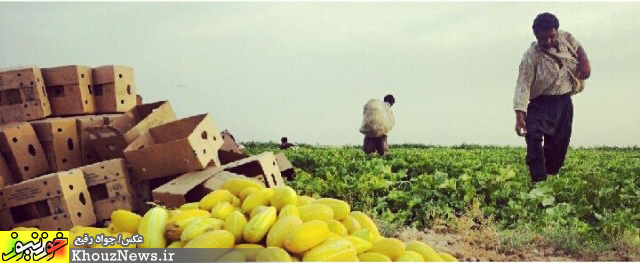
x: 592, y: 206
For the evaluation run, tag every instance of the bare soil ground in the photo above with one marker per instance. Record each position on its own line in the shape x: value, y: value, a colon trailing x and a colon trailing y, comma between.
x: 476, y: 238
x: 481, y: 245
x: 468, y: 250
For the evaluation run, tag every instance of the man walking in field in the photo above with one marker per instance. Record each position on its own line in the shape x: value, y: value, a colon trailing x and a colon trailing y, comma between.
x: 377, y: 122
x: 552, y: 69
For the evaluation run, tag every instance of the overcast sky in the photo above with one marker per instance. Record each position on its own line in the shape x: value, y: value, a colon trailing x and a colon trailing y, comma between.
x: 304, y: 70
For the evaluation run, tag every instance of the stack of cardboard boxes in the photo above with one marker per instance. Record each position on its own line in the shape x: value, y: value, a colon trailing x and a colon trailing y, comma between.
x: 59, y: 172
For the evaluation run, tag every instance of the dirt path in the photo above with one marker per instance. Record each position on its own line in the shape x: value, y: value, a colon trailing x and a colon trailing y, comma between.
x: 466, y: 250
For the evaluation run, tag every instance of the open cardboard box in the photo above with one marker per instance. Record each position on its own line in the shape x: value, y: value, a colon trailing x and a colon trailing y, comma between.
x: 114, y: 89
x: 89, y: 155
x: 70, y: 90
x: 143, y: 192
x: 109, y: 186
x: 177, y: 147
x: 53, y: 202
x: 23, y: 96
x: 262, y: 167
x: 192, y: 186
x: 185, y: 189
x: 59, y: 139
x: 110, y: 141
x: 22, y: 151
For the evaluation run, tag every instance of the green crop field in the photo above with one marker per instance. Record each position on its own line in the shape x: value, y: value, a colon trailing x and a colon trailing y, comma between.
x: 592, y: 205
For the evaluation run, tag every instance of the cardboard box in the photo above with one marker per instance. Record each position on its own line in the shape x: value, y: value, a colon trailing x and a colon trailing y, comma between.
x: 110, y: 141
x: 22, y: 151
x: 216, y: 181
x: 54, y: 202
x: 109, y: 186
x: 59, y: 139
x: 177, y: 147
x: 70, y: 90
x: 230, y: 150
x: 144, y: 189
x: 263, y: 167
x: 23, y: 95
x: 6, y: 177
x: 286, y: 168
x: 115, y: 89
x: 89, y: 154
x: 186, y: 188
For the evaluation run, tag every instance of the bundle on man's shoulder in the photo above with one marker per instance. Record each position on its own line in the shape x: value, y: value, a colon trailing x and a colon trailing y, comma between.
x: 378, y: 119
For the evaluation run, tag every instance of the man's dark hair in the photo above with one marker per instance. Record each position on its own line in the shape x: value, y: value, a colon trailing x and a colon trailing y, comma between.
x: 389, y: 98
x: 283, y: 139
x: 545, y: 21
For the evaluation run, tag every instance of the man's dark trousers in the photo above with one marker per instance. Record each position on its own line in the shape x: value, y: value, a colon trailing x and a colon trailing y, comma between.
x: 548, y: 119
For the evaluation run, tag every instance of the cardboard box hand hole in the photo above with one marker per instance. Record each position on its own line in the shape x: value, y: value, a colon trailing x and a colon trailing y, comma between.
x: 98, y: 192
x: 56, y: 91
x: 10, y: 97
x: 31, y: 211
x: 70, y: 144
x: 82, y: 200
x: 98, y: 90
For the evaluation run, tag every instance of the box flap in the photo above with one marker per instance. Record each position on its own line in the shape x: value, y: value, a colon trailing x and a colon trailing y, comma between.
x: 283, y: 162
x: 110, y: 141
x: 230, y: 144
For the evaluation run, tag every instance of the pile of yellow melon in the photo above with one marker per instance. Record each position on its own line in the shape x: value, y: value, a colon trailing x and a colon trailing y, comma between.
x: 266, y: 224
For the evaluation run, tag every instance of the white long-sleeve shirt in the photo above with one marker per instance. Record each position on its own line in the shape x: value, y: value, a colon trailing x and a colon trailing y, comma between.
x: 540, y: 74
